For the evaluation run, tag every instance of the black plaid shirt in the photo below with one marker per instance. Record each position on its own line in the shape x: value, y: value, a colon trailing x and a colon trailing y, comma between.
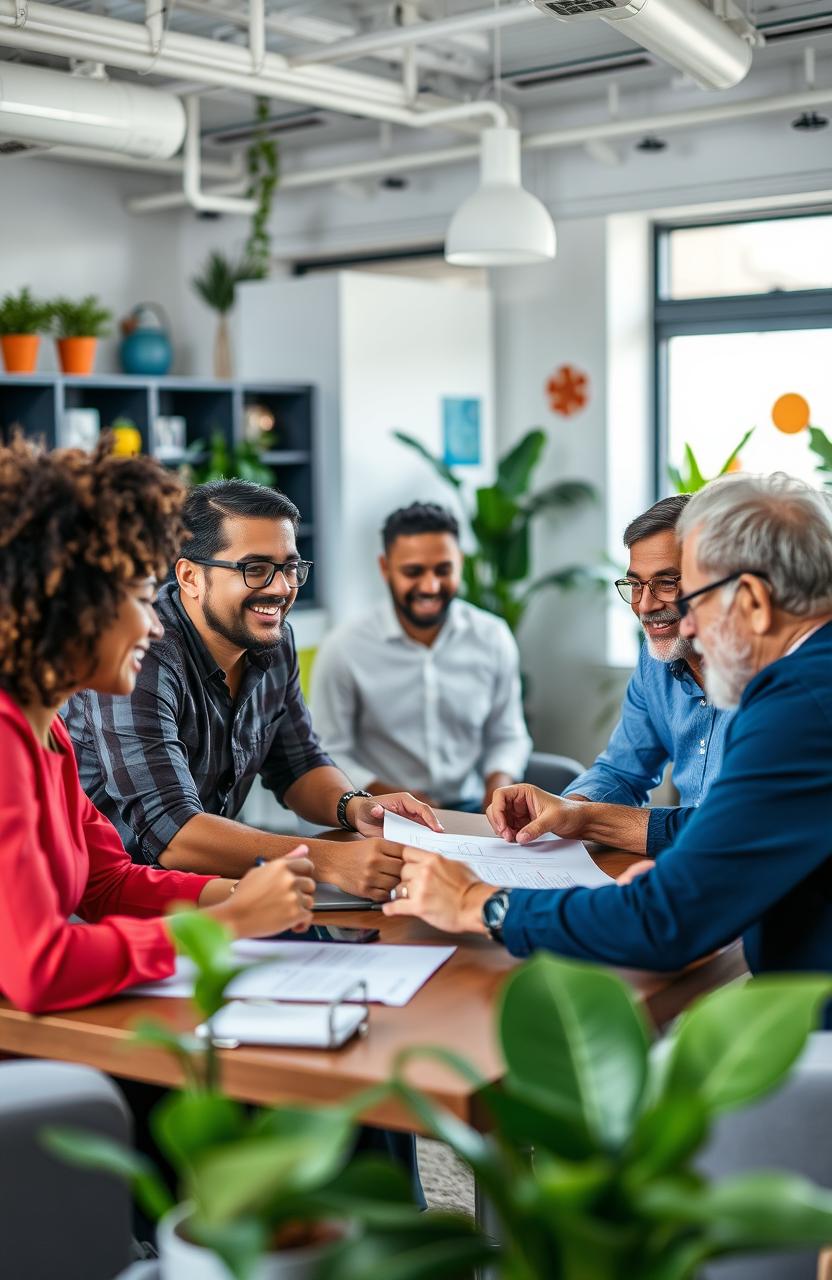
x: 179, y: 746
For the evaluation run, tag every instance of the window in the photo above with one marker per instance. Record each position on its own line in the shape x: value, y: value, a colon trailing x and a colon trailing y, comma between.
x: 743, y: 317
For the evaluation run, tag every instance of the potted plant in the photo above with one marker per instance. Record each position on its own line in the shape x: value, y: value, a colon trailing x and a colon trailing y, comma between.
x: 265, y: 1194
x: 689, y: 477
x: 217, y: 460
x: 590, y: 1162
x: 77, y: 327
x: 216, y: 284
x: 496, y: 572
x: 22, y: 320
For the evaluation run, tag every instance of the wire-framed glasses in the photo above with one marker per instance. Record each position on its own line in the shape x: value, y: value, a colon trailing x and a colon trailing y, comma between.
x: 661, y: 588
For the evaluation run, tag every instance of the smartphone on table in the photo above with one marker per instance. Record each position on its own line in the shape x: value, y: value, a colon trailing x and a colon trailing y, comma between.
x: 330, y: 933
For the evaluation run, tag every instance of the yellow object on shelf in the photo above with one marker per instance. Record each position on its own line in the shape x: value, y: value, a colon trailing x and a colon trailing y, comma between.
x: 127, y: 441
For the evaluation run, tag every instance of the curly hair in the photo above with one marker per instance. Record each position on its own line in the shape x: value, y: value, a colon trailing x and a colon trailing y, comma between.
x: 75, y: 529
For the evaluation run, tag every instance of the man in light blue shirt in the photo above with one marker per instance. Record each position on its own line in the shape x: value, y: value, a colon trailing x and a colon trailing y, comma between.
x: 666, y: 716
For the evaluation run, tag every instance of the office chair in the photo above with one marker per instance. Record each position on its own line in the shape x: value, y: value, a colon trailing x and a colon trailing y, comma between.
x: 791, y: 1131
x: 57, y: 1220
x: 551, y: 772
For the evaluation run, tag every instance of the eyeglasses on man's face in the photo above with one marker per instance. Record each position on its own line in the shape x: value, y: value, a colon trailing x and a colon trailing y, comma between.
x: 665, y: 587
x: 261, y: 573
x: 683, y: 604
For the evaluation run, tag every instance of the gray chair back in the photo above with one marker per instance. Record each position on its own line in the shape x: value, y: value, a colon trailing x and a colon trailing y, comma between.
x: 552, y: 772
x: 58, y: 1222
x: 789, y: 1131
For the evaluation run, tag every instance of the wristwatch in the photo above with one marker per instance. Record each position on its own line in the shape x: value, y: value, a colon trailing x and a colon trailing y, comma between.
x: 341, y: 810
x: 494, y: 911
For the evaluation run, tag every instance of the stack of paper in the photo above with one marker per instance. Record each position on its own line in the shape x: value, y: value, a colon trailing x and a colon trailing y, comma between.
x: 551, y: 863
x: 315, y: 971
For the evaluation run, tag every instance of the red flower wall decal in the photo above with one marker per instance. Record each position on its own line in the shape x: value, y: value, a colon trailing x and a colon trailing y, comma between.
x: 568, y: 390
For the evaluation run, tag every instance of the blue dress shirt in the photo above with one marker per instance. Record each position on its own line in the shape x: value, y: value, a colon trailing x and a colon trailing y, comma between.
x: 665, y: 717
x: 755, y: 860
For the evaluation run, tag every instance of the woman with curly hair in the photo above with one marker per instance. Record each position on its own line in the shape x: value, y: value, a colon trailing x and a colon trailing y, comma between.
x: 83, y: 540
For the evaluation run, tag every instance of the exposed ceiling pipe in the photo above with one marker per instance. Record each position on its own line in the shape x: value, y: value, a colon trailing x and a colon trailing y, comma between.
x: 69, y: 33
x: 223, y: 174
x: 375, y: 42
x: 50, y: 28
x: 325, y: 31
x: 550, y: 140
x: 205, y: 202
x: 257, y: 34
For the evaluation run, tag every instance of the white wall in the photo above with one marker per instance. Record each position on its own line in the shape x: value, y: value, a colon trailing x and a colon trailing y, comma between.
x: 64, y: 230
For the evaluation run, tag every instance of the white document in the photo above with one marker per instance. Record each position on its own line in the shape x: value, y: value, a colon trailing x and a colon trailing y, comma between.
x: 311, y: 1026
x: 315, y: 971
x: 549, y: 863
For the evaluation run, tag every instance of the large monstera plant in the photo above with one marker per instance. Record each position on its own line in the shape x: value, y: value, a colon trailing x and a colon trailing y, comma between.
x: 589, y: 1158
x: 590, y: 1163
x: 498, y: 569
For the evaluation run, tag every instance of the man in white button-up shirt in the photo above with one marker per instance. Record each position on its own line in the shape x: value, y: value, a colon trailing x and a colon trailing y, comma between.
x: 423, y: 693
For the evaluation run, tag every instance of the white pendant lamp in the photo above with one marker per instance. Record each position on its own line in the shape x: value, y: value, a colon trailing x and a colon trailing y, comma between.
x: 501, y: 224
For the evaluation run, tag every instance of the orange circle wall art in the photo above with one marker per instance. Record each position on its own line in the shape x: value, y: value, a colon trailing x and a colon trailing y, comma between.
x: 567, y: 390
x: 790, y: 413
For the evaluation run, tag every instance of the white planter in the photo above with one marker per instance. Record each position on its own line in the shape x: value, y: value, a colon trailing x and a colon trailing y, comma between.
x: 181, y: 1260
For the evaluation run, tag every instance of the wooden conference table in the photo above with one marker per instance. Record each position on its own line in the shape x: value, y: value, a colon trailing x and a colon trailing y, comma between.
x: 455, y: 1009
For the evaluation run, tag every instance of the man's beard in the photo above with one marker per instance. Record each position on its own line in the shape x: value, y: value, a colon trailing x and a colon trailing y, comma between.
x: 238, y: 634
x: 673, y: 648
x: 405, y: 608
x: 728, y: 666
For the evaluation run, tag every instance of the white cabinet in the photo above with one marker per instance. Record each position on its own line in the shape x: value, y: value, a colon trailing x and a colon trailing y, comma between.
x: 383, y: 353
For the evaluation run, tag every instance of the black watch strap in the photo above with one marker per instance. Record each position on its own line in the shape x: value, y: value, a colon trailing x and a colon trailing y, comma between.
x: 341, y: 810
x: 494, y: 912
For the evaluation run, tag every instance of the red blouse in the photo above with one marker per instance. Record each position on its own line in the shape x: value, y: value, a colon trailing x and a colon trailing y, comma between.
x: 58, y: 857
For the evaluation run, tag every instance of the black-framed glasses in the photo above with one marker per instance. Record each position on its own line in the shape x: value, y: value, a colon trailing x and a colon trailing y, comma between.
x: 683, y: 604
x: 664, y: 587
x: 261, y: 573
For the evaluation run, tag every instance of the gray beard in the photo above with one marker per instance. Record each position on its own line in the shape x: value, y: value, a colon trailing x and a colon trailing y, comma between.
x: 728, y: 667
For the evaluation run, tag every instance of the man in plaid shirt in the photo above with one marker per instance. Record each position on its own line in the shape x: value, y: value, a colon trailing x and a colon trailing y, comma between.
x: 217, y: 702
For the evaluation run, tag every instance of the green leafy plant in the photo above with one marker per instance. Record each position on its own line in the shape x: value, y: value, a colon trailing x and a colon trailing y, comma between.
x: 590, y: 1164
x: 86, y: 318
x: 216, y: 460
x: 217, y: 282
x: 496, y: 572
x: 21, y: 313
x: 821, y: 446
x: 258, y: 1179
x: 689, y: 478
x: 263, y: 170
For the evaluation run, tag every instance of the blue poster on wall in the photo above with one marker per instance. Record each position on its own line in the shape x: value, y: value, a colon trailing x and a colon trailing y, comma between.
x: 461, y: 431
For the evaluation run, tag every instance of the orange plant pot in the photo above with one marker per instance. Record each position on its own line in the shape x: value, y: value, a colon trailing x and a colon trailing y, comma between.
x: 77, y: 355
x: 20, y: 351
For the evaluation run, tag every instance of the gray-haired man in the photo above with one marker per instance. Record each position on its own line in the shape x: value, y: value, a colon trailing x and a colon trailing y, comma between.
x: 754, y: 859
x: 666, y: 715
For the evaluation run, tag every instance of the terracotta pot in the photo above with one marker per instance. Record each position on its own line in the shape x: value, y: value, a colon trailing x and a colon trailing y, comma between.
x: 20, y: 351
x: 77, y: 355
x: 179, y: 1259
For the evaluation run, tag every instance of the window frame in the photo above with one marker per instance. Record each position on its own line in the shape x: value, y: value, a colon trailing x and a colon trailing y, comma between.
x: 730, y: 313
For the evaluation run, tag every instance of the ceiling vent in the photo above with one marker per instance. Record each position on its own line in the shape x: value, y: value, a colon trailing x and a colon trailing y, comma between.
x: 536, y: 77
x: 277, y: 126
x: 14, y: 147
x: 684, y: 33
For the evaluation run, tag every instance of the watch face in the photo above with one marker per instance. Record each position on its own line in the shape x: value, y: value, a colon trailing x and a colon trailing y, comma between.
x: 495, y: 909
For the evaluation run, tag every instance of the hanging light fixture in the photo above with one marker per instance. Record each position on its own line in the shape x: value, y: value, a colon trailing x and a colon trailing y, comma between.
x: 501, y: 224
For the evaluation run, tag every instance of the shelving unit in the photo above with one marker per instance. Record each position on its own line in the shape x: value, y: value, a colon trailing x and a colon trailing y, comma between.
x: 37, y: 403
